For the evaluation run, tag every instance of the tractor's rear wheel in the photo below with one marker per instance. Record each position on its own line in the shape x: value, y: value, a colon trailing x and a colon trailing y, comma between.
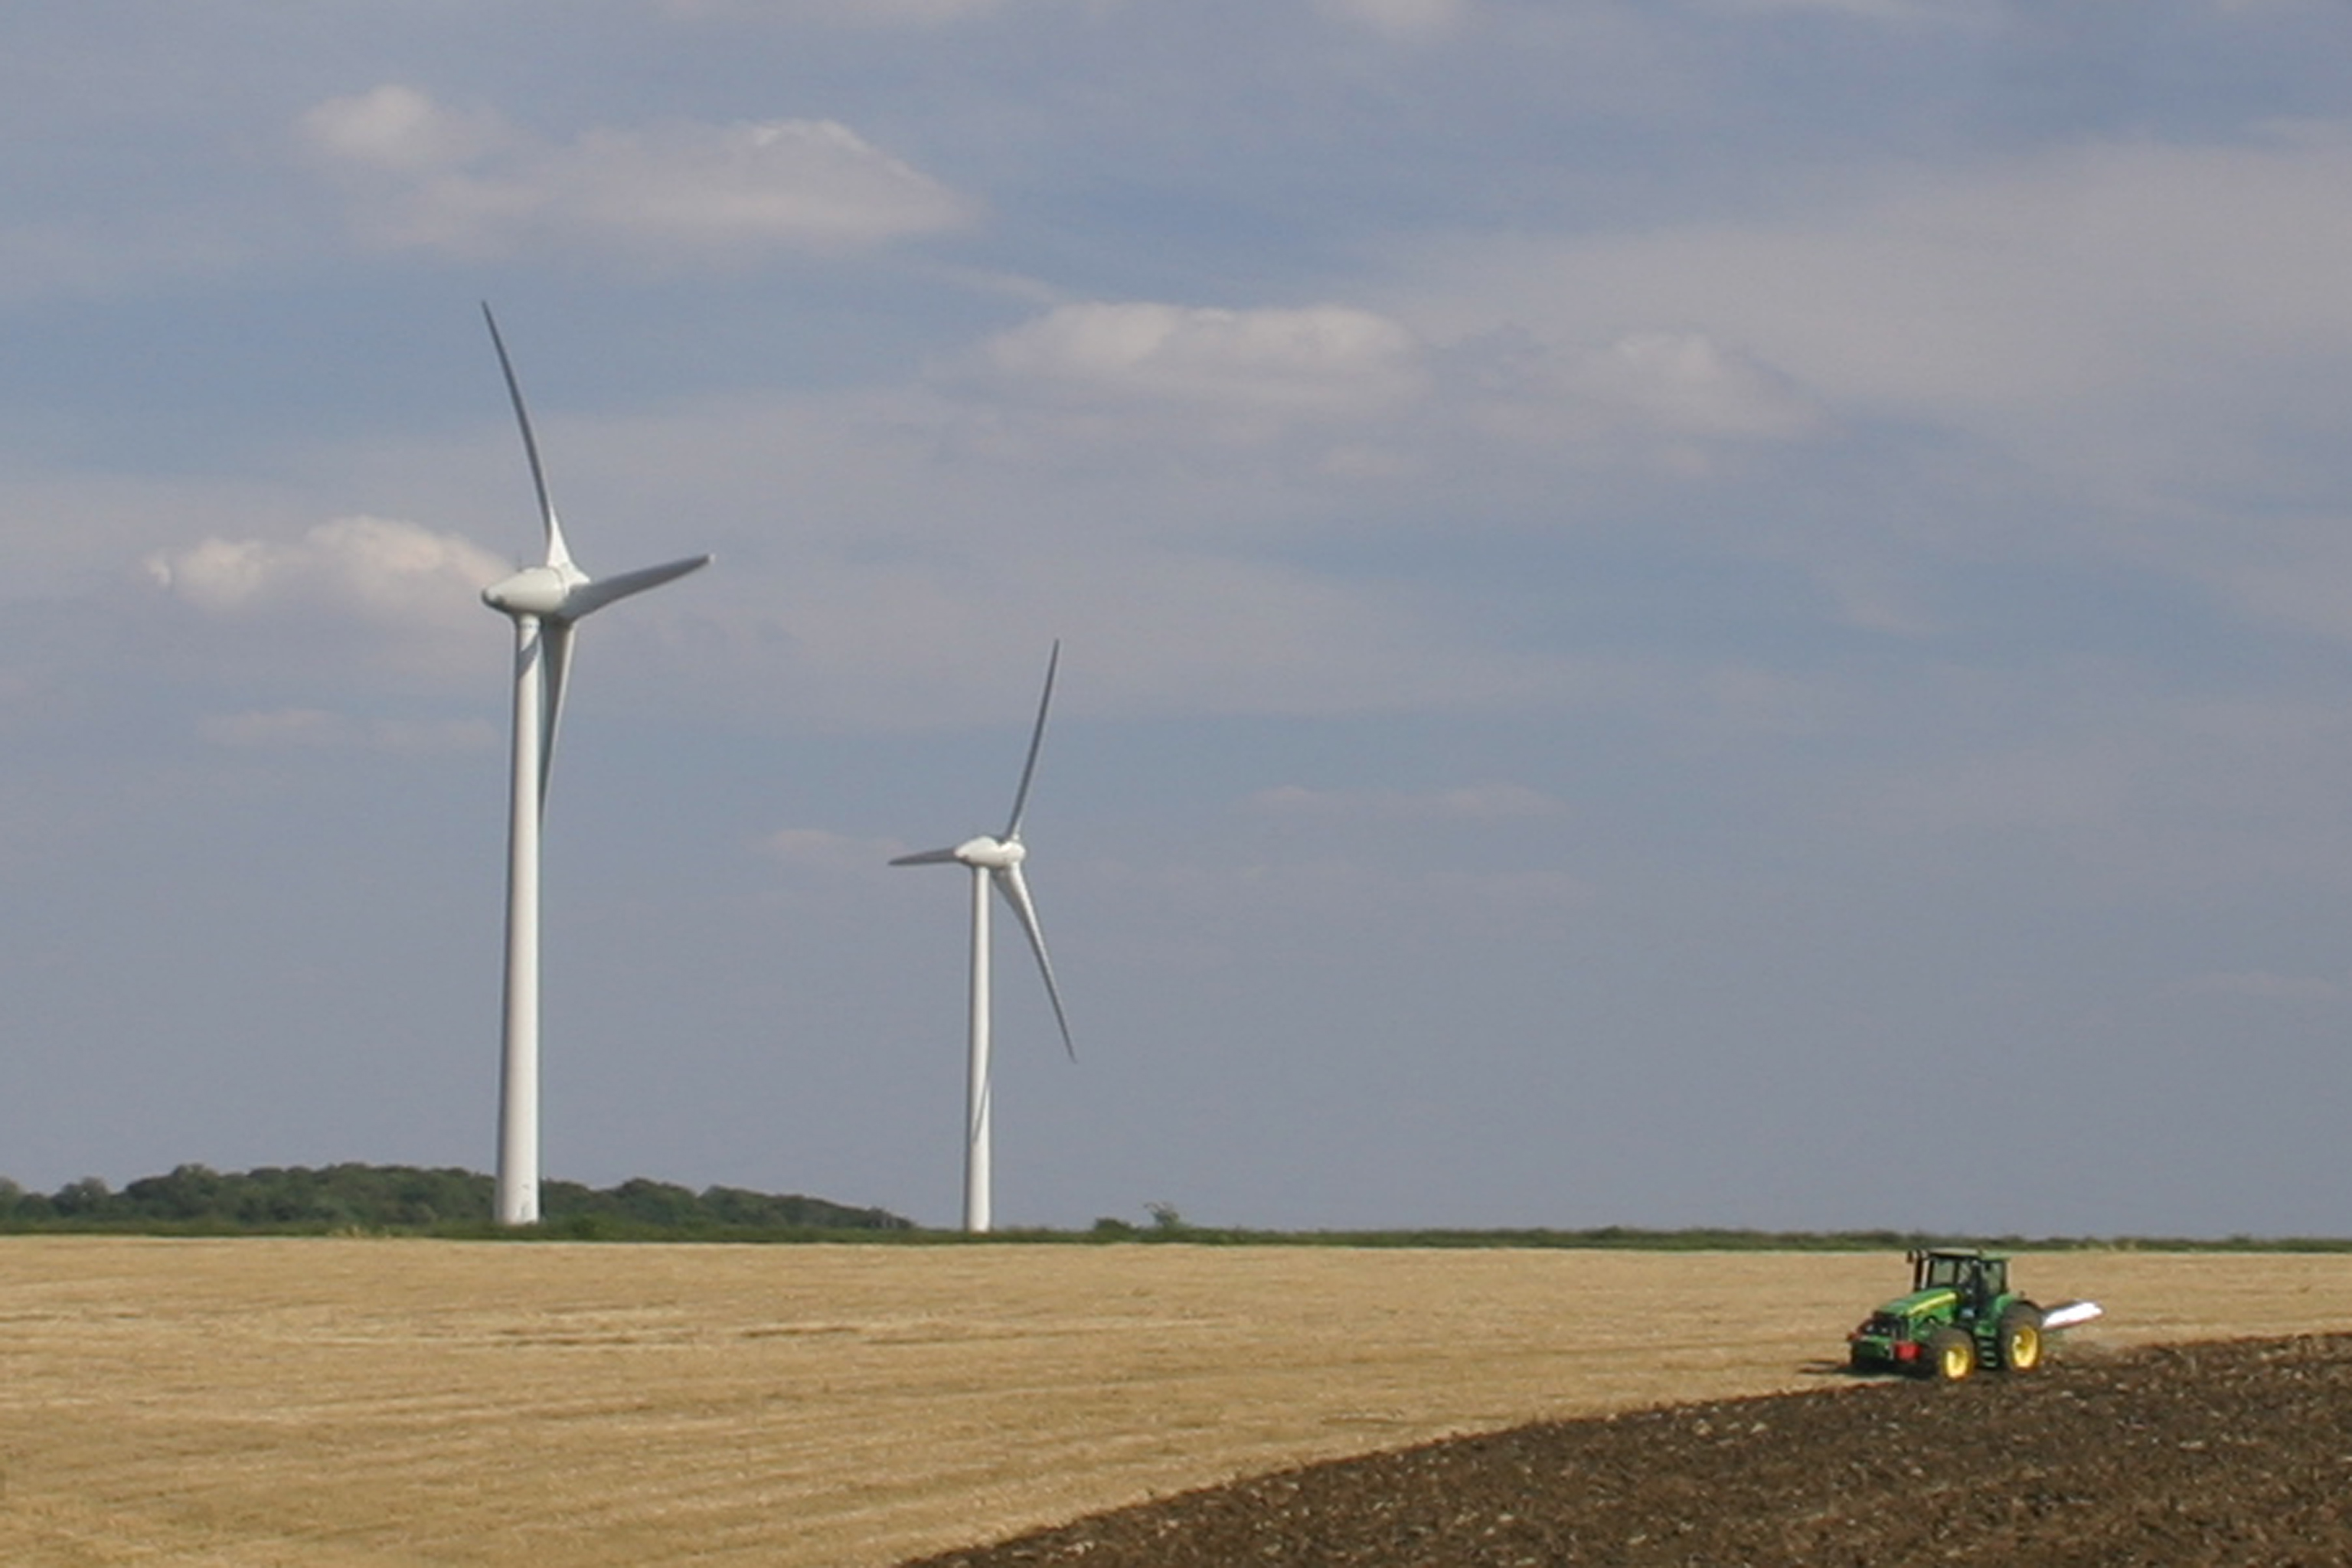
x: 1951, y: 1355
x: 2020, y: 1339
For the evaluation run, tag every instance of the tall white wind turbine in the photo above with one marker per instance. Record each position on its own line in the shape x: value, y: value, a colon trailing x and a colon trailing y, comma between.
x: 997, y: 860
x: 545, y: 603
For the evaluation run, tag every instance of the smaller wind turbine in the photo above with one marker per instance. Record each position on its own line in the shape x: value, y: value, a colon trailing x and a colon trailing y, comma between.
x: 997, y: 860
x: 545, y: 602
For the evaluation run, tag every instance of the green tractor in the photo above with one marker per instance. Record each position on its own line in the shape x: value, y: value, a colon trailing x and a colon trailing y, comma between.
x: 1960, y: 1315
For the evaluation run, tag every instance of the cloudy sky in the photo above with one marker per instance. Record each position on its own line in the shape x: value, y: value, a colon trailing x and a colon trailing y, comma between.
x: 1692, y: 612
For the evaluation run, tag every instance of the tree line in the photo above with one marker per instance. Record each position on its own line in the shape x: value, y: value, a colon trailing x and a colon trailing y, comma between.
x: 196, y: 1200
x: 199, y: 1199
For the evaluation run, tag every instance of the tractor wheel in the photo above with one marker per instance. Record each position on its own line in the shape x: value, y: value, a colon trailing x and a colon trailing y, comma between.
x: 2020, y: 1339
x: 1951, y: 1355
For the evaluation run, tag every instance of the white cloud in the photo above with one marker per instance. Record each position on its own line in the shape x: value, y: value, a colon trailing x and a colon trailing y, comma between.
x: 1320, y: 361
x: 398, y: 128
x: 426, y: 176
x: 1650, y: 385
x: 377, y: 570
x: 388, y: 596
x: 1689, y: 381
x: 1381, y: 400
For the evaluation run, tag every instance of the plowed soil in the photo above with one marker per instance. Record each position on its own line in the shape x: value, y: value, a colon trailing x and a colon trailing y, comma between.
x: 2237, y: 1453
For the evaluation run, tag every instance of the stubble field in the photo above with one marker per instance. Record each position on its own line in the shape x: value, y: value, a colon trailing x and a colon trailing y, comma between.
x: 339, y: 1403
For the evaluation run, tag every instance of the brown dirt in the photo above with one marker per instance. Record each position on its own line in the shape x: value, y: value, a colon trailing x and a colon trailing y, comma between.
x: 367, y: 1404
x: 2231, y: 1453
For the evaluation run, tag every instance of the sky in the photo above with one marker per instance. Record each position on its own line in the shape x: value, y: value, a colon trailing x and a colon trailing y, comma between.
x: 1693, y: 612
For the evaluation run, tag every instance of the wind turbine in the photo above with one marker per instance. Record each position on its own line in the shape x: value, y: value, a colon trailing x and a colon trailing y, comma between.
x: 997, y: 860
x: 545, y: 603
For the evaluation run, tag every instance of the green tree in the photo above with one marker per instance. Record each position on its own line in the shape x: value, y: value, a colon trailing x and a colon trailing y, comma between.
x: 89, y: 1198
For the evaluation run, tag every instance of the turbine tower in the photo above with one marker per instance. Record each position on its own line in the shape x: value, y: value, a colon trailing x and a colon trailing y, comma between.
x: 997, y: 860
x: 545, y: 603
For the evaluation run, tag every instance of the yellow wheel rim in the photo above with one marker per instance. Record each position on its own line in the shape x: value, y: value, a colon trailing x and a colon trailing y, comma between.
x: 2025, y: 1349
x: 1958, y: 1358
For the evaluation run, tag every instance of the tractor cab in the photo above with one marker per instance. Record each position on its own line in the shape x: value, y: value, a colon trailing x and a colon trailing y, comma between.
x: 1977, y: 1279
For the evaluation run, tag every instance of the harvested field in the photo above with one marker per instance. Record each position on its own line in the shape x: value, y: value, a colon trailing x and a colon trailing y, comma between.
x: 326, y: 1402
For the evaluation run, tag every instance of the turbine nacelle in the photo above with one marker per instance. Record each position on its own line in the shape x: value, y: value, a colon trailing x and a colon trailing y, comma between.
x: 541, y: 591
x: 996, y: 854
x: 981, y: 853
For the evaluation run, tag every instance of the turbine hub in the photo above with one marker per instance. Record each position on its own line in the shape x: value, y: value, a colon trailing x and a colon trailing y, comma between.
x: 994, y: 854
x: 534, y: 591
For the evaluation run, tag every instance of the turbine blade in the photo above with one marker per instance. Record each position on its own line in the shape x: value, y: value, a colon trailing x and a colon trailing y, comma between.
x: 928, y: 858
x: 555, y: 644
x: 1016, y: 889
x: 557, y: 556
x: 1037, y: 738
x: 599, y: 592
